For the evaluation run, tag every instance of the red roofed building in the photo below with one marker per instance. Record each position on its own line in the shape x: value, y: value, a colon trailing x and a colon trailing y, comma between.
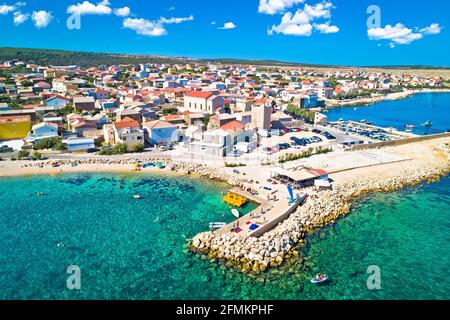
x: 128, y: 131
x: 233, y: 126
x: 203, y: 101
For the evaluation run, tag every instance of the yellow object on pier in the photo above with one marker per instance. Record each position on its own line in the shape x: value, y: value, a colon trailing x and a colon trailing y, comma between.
x: 235, y: 199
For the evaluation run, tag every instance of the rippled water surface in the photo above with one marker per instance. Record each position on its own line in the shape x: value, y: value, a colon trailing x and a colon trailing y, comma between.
x: 135, y: 249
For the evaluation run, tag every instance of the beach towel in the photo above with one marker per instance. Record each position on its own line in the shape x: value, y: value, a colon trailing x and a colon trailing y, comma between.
x: 253, y: 227
x: 237, y: 230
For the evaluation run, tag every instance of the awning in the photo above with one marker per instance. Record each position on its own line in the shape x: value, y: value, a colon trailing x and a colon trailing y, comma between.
x: 322, y: 183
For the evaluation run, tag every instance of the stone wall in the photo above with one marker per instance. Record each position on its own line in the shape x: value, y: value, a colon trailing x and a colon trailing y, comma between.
x: 399, y: 142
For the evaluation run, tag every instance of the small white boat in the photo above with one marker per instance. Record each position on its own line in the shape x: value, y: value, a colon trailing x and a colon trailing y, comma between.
x: 137, y: 196
x: 235, y: 213
x: 316, y: 280
x: 217, y: 225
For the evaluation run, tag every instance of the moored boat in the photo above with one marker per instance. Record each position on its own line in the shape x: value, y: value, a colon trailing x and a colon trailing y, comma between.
x: 235, y: 213
x: 216, y: 225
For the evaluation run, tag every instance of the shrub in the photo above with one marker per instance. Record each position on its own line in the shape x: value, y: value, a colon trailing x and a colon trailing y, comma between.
x: 22, y: 154
x: 120, y: 148
x: 36, y: 156
x: 137, y: 148
x: 50, y: 143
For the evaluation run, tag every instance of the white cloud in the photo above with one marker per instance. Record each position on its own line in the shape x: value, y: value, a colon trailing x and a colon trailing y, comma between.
x: 122, y: 12
x: 41, y: 18
x: 301, y: 23
x: 20, y: 18
x: 175, y: 20
x: 276, y: 6
x: 86, y: 7
x: 400, y: 34
x: 228, y: 26
x: 6, y: 9
x: 326, y: 28
x: 152, y: 28
x: 433, y: 28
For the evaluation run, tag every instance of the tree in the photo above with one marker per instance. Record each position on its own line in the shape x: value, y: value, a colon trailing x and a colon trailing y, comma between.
x: 22, y: 154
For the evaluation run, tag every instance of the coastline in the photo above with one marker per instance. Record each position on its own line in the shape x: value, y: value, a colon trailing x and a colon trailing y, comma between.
x: 281, y: 244
x: 429, y: 161
x: 331, y: 104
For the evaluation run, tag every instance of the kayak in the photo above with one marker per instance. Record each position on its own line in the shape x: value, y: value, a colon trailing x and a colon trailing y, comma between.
x: 316, y: 280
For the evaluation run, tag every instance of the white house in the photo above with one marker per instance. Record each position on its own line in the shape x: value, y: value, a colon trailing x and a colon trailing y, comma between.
x: 128, y: 131
x: 160, y: 132
x: 203, y: 101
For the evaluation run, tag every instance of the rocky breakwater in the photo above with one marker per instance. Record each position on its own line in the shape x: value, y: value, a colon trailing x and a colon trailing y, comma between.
x: 281, y: 244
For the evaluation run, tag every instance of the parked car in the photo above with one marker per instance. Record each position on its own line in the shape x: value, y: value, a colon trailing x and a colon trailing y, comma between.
x: 267, y: 151
x: 161, y: 148
x: 283, y: 146
x: 328, y: 135
x: 316, y: 131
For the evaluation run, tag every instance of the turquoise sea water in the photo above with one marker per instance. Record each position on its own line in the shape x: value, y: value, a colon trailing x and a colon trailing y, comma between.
x: 135, y: 249
x: 414, y: 110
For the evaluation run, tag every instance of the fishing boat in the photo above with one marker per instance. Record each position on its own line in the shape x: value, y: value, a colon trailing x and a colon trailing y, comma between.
x: 320, y: 278
x: 137, y: 196
x: 410, y: 126
x: 427, y: 124
x: 216, y: 225
x: 235, y: 213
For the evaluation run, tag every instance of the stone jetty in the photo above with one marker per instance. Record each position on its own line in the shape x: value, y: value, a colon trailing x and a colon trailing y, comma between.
x: 278, y: 245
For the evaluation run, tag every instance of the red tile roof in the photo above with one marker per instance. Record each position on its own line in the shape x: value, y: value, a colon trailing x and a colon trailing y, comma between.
x: 233, y: 126
x: 126, y: 123
x: 200, y: 94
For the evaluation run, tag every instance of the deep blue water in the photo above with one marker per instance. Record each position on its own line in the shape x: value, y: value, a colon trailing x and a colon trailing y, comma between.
x: 135, y: 249
x: 414, y: 110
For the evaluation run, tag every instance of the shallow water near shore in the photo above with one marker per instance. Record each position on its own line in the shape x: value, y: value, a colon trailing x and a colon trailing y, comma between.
x: 135, y: 249
x: 414, y: 110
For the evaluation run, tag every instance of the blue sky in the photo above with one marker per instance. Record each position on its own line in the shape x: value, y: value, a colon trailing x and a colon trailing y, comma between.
x: 329, y: 32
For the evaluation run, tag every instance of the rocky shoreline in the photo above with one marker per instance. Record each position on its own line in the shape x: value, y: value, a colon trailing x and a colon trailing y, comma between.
x: 281, y: 244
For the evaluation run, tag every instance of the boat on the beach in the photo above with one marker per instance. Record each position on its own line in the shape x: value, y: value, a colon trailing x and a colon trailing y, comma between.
x: 320, y: 278
x: 216, y: 225
x: 235, y: 213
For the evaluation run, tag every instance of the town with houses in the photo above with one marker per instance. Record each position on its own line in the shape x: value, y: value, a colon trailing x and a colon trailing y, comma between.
x: 208, y: 109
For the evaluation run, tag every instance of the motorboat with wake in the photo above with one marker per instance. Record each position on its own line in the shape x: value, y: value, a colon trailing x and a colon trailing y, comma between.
x: 319, y: 278
x: 427, y: 124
